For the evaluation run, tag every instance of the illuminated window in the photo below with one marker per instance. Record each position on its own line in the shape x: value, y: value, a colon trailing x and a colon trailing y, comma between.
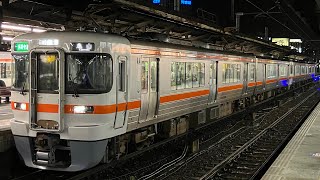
x: 297, y: 70
x: 173, y: 76
x: 231, y: 73
x: 283, y: 70
x: 187, y: 75
x: 271, y: 71
x: 181, y: 75
x: 252, y: 70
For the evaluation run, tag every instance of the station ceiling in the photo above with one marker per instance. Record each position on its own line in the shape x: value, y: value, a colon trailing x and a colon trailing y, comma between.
x: 280, y: 18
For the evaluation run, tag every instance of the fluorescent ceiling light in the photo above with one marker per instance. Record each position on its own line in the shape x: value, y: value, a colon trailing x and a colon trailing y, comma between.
x: 7, y: 38
x: 295, y: 40
x: 36, y: 30
x: 12, y: 27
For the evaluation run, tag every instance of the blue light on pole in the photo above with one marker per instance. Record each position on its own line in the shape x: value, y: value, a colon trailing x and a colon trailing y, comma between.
x: 156, y: 1
x: 186, y: 2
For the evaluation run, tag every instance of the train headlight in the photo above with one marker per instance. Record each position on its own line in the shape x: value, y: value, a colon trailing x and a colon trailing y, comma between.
x: 20, y: 106
x: 83, y: 109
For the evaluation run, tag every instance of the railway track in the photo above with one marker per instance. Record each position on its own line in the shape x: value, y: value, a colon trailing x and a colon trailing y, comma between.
x: 160, y: 160
x: 247, y: 151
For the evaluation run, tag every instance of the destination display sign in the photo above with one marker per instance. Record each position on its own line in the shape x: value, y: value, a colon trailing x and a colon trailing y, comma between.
x: 82, y: 46
x: 21, y: 47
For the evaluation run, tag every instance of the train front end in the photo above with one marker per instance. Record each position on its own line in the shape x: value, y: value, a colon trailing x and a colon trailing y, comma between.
x: 63, y: 99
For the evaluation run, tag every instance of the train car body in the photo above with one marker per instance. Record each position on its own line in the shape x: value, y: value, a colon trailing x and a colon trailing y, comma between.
x: 80, y: 98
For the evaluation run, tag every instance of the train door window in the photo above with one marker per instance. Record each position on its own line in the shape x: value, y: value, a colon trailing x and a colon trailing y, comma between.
x: 48, y: 72
x: 122, y: 75
x: 202, y: 74
x: 173, y: 76
x: 291, y: 70
x: 153, y: 76
x: 297, y: 70
x: 181, y: 75
x: 195, y: 75
x: 144, y: 76
x: 252, y: 69
x: 189, y: 75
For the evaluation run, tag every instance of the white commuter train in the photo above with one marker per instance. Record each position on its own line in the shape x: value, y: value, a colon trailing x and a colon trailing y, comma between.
x: 82, y: 98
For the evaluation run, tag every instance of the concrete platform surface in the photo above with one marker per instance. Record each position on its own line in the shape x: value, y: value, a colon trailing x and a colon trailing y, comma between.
x: 300, y: 159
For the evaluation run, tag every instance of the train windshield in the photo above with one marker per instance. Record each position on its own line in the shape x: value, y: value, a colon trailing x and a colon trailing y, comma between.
x: 88, y: 73
x: 21, y: 69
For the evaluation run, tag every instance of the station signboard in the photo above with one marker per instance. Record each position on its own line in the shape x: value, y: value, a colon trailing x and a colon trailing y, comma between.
x: 281, y: 41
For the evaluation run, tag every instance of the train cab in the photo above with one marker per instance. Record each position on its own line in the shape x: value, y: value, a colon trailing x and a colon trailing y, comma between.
x: 64, y: 84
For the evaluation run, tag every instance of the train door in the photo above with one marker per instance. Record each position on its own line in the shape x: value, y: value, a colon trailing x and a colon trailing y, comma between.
x: 149, y: 88
x: 213, y: 82
x: 46, y: 108
x: 245, y: 78
x: 121, y: 95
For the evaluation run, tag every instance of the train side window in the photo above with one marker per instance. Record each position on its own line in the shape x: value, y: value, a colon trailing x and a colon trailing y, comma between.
x: 297, y: 70
x: 303, y: 70
x: 188, y: 75
x: 224, y: 73
x: 252, y: 70
x: 181, y: 75
x: 271, y: 71
x: 233, y: 75
x: 202, y: 74
x: 238, y: 70
x: 195, y: 75
x: 229, y: 73
x: 282, y: 70
x: 144, y: 76
x: 173, y: 76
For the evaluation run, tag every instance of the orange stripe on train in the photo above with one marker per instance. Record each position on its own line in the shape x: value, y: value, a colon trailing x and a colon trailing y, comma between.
x: 230, y: 88
x: 176, y: 97
x: 271, y: 81
x: 107, y: 109
x: 258, y: 83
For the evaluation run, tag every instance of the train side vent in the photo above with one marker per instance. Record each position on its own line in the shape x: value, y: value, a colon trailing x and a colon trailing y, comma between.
x: 201, y: 117
x: 214, y: 112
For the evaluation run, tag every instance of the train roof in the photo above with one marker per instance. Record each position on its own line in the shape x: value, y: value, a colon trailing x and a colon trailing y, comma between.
x: 75, y: 36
